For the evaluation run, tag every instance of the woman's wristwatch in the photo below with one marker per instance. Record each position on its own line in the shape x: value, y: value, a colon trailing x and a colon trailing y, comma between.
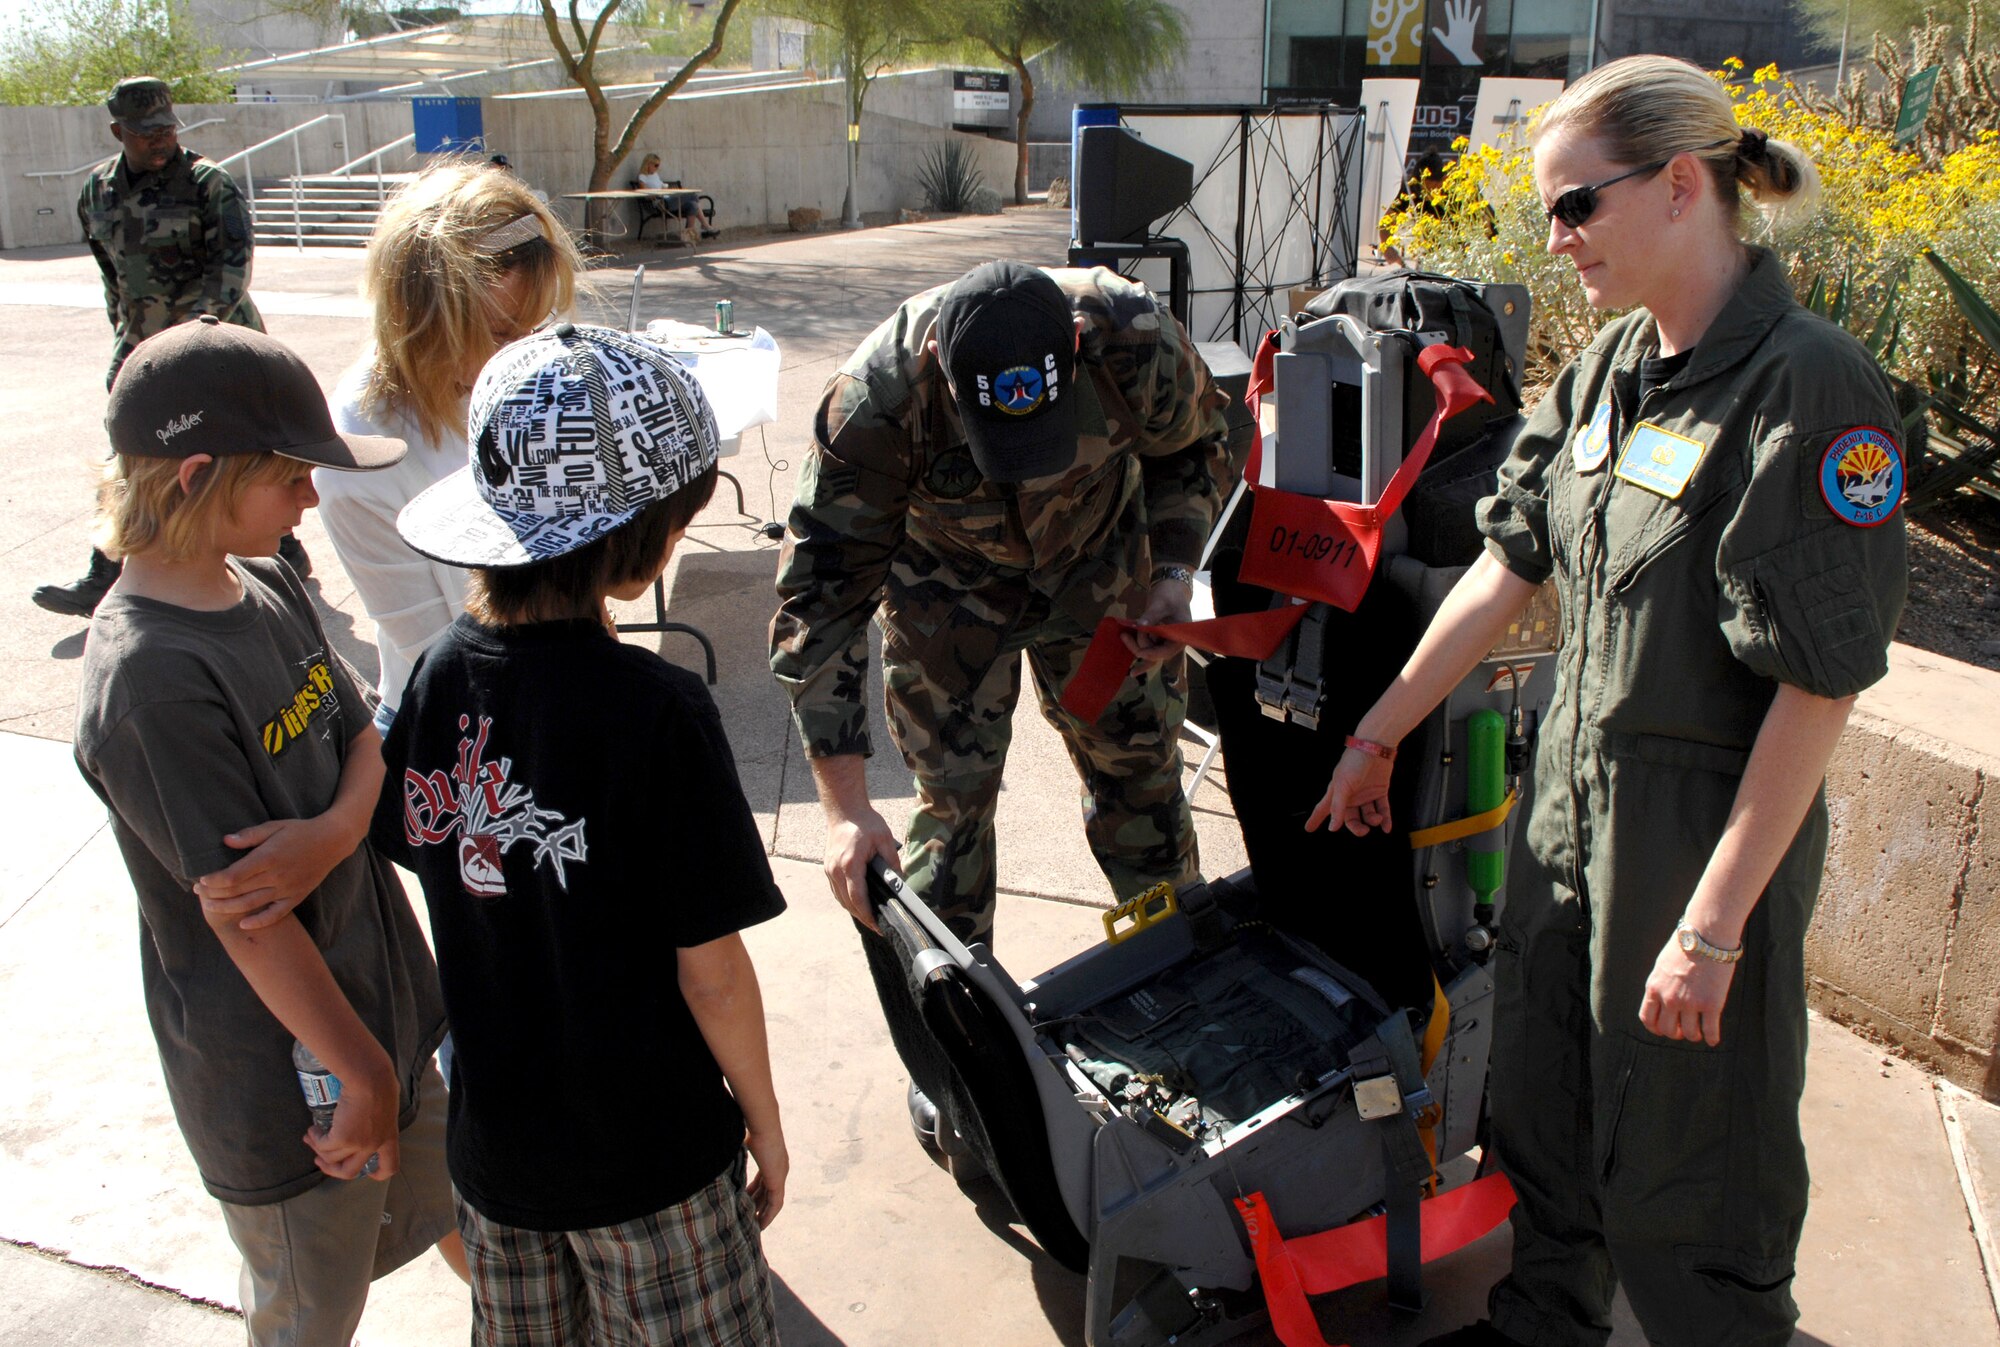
x: 1695, y: 947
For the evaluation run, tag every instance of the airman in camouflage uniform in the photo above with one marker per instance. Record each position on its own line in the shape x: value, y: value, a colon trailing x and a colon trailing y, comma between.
x: 1002, y: 463
x: 171, y: 233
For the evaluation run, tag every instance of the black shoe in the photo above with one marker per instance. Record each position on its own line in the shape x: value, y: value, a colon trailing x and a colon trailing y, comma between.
x: 294, y: 553
x: 80, y: 597
x: 1481, y: 1334
x: 711, y: 233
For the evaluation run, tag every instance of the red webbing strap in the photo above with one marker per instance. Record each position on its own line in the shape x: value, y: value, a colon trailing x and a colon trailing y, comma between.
x: 1107, y: 662
x: 1336, y: 536
x: 1327, y: 549
x: 1316, y: 1265
x: 1253, y: 398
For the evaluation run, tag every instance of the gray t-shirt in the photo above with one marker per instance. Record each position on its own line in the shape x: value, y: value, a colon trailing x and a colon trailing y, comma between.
x: 191, y: 725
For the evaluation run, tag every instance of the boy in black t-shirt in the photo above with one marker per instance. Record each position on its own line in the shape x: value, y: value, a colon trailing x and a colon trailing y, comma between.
x: 572, y: 809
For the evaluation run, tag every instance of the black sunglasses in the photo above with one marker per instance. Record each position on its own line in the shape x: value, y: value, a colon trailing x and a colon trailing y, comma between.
x: 1578, y: 204
x: 1575, y: 207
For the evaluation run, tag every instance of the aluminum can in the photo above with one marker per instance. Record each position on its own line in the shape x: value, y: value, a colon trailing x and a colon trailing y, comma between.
x: 725, y: 316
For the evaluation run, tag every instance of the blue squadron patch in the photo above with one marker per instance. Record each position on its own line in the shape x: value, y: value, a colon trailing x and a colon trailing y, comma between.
x: 1861, y: 476
x: 1659, y: 460
x: 1591, y: 448
x: 1019, y: 390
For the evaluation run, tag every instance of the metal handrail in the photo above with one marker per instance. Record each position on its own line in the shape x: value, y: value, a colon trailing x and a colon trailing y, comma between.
x: 298, y: 170
x: 347, y: 169
x: 72, y: 172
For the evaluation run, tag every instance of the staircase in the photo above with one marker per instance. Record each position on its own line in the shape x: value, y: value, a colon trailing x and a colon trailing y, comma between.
x: 333, y: 212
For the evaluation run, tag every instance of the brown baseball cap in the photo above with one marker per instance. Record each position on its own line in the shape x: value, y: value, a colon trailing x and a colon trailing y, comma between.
x: 210, y: 387
x: 142, y: 103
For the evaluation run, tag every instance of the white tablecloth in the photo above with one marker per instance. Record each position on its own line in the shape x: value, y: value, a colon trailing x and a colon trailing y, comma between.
x: 739, y: 375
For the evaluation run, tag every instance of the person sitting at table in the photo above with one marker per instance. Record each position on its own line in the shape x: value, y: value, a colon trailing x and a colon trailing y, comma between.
x: 650, y: 179
x: 462, y: 261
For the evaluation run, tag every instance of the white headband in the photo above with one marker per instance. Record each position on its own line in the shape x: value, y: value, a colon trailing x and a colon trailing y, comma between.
x: 517, y: 231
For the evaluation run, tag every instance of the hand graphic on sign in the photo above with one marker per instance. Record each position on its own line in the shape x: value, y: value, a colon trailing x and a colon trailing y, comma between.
x: 1460, y: 34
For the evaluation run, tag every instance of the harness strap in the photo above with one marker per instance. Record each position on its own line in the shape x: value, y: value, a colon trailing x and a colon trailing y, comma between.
x: 1469, y: 826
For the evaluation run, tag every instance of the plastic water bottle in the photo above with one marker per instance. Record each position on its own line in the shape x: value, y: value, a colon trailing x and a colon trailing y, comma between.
x: 322, y: 1091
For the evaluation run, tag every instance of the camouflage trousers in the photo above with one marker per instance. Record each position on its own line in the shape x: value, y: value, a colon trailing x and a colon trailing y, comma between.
x: 1135, y: 813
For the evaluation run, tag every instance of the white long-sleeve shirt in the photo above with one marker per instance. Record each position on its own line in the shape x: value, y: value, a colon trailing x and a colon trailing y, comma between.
x: 410, y: 598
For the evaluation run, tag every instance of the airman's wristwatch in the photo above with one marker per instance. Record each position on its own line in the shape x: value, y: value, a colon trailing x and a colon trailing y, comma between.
x: 1180, y: 574
x: 1695, y: 947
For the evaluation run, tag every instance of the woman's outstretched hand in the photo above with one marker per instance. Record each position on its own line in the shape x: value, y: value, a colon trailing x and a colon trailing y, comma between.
x: 1357, y: 798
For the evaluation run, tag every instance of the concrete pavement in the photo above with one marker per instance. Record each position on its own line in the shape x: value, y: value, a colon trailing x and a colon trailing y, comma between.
x: 876, y: 1245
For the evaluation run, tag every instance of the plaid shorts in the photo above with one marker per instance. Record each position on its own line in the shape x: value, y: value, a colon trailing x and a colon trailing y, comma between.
x: 691, y: 1273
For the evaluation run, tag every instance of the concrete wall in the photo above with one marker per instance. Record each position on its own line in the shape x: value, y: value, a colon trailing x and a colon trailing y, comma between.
x: 758, y: 152
x: 1905, y: 944
x: 37, y: 211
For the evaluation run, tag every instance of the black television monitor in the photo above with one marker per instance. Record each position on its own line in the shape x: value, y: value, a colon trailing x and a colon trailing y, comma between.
x: 1123, y: 185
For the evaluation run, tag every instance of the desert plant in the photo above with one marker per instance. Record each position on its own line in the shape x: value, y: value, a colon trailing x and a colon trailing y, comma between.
x: 1965, y: 104
x: 948, y: 177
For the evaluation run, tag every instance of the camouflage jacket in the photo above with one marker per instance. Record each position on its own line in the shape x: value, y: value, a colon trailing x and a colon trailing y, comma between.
x: 891, y: 511
x: 172, y: 245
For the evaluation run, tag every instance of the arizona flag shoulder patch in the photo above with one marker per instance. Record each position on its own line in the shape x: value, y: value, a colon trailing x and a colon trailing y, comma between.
x: 1861, y: 476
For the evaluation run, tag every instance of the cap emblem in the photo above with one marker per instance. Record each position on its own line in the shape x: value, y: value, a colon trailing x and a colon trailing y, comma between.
x: 174, y: 427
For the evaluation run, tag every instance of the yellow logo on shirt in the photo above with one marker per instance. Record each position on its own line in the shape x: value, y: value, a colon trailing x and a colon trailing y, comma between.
x: 314, y: 696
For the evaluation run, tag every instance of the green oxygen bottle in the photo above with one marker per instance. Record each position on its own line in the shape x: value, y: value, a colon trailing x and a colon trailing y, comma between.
x: 1485, y: 788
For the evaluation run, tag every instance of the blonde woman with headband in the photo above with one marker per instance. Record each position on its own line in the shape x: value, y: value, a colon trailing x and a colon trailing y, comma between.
x: 1712, y: 488
x: 464, y: 260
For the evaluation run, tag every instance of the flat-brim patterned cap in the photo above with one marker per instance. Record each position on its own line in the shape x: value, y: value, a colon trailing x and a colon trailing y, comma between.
x: 573, y: 431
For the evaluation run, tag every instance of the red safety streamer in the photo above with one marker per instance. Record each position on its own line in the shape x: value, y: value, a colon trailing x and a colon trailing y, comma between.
x: 1330, y: 548
x: 1253, y: 398
x: 1317, y: 1265
x: 1327, y: 549
x: 1107, y: 662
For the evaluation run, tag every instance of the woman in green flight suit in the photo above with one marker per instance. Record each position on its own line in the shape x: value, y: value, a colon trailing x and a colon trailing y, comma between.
x: 1712, y: 487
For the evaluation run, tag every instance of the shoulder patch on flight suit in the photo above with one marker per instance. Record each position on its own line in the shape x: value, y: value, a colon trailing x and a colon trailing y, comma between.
x: 1861, y: 476
x: 1659, y: 460
x: 1593, y: 446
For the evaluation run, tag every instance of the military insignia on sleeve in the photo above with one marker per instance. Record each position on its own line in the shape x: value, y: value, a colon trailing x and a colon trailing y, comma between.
x: 952, y: 474
x: 1593, y: 446
x: 1861, y: 476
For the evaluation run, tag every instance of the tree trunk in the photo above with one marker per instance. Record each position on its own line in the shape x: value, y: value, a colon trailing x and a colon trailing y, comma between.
x: 597, y: 211
x: 1021, y: 132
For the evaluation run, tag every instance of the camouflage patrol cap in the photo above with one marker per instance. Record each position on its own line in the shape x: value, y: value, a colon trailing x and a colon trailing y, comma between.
x: 142, y: 103
x: 1007, y: 337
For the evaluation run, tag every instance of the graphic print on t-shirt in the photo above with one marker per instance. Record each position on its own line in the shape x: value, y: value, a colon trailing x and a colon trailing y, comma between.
x: 313, y: 701
x: 490, y: 812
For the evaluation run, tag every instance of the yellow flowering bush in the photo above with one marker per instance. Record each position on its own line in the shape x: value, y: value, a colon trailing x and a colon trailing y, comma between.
x: 1880, y: 209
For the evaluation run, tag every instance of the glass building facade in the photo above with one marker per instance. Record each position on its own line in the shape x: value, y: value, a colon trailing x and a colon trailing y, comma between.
x: 1323, y: 49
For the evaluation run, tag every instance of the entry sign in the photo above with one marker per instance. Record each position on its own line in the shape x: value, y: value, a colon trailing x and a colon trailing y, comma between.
x: 1916, y: 104
x: 979, y: 98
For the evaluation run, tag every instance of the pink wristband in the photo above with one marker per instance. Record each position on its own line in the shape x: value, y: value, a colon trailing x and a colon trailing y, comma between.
x: 1386, y: 752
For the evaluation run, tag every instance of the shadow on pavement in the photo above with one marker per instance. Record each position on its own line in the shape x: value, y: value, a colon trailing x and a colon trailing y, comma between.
x: 70, y: 646
x: 797, y: 1325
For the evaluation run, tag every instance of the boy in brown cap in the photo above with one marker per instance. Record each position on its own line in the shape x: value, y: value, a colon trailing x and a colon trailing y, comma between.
x: 235, y: 751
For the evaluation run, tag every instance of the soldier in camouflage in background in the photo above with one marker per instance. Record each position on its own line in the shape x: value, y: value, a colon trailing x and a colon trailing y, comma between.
x: 171, y: 233
x: 1003, y: 462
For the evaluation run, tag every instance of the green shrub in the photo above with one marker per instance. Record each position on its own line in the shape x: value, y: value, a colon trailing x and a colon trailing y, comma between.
x: 949, y: 176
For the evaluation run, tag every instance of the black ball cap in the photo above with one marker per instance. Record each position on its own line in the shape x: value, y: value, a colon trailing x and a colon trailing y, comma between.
x: 209, y: 387
x: 1007, y: 337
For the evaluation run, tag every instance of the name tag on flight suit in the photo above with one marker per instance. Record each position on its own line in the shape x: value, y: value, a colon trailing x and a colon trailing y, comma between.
x: 1659, y: 460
